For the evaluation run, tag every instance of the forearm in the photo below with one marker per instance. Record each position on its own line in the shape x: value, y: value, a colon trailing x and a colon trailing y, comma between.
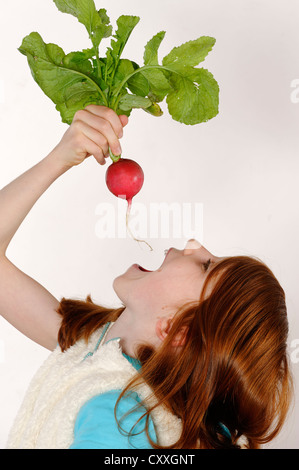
x: 19, y: 196
x: 92, y: 132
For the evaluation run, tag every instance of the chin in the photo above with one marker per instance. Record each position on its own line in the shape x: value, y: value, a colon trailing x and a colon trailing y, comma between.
x: 115, y: 284
x: 120, y: 288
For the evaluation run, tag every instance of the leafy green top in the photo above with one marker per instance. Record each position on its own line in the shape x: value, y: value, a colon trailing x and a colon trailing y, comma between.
x: 73, y: 81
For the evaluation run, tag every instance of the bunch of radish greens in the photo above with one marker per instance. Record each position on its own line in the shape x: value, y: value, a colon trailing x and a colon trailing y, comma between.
x: 75, y: 80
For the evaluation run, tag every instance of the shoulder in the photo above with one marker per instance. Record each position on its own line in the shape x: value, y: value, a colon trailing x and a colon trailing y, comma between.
x: 96, y: 426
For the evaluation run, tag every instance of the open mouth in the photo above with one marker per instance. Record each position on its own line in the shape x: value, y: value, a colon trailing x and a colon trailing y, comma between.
x: 143, y: 269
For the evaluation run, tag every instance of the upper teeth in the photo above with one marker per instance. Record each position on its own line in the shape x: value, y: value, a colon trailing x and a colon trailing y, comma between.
x: 166, y: 251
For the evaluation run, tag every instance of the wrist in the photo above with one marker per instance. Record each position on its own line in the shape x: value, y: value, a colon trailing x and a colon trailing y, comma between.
x: 55, y: 158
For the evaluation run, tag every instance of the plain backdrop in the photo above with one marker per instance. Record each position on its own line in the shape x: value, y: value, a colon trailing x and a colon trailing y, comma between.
x: 242, y: 166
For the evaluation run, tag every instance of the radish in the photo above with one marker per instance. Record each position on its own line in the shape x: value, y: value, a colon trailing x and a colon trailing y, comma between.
x: 124, y: 178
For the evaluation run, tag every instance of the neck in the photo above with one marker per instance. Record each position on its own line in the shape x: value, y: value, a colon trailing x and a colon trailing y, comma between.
x: 124, y: 328
x: 132, y: 329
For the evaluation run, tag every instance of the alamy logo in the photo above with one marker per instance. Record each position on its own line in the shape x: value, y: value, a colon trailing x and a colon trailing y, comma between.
x: 156, y: 220
x: 295, y: 93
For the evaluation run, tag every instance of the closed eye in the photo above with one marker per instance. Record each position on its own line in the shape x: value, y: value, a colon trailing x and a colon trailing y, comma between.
x: 207, y: 264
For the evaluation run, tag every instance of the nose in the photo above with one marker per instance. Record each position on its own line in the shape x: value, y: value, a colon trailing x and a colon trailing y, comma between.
x: 191, y: 245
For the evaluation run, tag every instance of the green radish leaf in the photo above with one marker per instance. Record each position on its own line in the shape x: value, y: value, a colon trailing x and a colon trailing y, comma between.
x: 74, y: 80
x: 125, y: 25
x: 158, y: 84
x: 124, y: 69
x: 127, y: 102
x: 191, y: 53
x: 194, y: 98
x: 96, y: 22
x: 138, y: 84
x: 76, y: 97
x: 105, y: 19
x: 78, y: 61
x: 103, y: 31
x: 68, y: 87
x: 195, y: 95
x: 150, y: 56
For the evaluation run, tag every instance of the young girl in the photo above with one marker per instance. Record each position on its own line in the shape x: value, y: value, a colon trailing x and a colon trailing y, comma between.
x: 195, y: 358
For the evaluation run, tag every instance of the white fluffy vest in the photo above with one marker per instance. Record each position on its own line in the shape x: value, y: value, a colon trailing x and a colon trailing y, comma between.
x: 65, y: 382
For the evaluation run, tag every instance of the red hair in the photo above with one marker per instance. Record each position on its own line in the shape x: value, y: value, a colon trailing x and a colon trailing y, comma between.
x: 233, y: 367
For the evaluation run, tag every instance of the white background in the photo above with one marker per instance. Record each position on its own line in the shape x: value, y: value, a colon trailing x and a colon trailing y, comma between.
x: 242, y: 165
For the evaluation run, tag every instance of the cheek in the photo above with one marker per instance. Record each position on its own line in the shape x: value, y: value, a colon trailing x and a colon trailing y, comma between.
x: 183, y: 285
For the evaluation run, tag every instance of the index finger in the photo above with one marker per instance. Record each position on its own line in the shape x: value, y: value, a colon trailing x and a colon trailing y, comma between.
x: 108, y: 114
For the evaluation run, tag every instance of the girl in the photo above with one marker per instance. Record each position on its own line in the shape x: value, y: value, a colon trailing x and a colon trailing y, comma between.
x: 195, y: 357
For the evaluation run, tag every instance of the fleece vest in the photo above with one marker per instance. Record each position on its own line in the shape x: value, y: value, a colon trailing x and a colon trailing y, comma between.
x: 67, y: 380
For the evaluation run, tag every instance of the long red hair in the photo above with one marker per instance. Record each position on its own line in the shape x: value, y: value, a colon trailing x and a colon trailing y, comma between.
x: 233, y: 367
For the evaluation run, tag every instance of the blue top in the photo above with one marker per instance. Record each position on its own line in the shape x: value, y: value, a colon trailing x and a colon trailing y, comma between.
x: 96, y: 427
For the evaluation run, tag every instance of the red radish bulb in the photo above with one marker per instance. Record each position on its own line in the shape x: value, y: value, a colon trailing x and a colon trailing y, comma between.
x: 124, y: 178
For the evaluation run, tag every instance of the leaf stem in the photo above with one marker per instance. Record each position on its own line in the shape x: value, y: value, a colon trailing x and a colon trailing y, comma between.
x: 115, y: 103
x: 113, y: 157
x: 96, y: 49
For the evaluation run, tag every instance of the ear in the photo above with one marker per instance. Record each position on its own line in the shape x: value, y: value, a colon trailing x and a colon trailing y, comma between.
x: 163, y: 326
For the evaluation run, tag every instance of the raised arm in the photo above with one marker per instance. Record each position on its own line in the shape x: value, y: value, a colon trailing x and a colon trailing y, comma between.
x: 24, y: 302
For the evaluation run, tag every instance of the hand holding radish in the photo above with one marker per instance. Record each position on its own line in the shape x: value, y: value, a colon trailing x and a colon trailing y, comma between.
x: 93, y: 130
x: 96, y: 131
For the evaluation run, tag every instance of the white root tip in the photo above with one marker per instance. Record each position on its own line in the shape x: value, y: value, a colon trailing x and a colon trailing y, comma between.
x: 129, y: 230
